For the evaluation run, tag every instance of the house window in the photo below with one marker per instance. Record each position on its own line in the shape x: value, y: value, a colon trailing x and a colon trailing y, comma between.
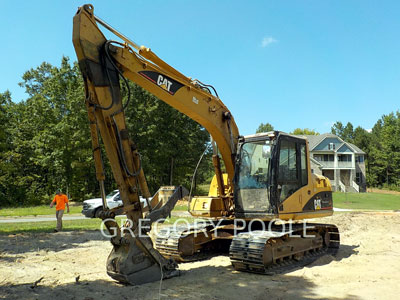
x: 332, y: 146
x: 359, y: 158
x: 358, y: 177
x: 328, y: 157
x: 344, y: 157
x: 318, y: 157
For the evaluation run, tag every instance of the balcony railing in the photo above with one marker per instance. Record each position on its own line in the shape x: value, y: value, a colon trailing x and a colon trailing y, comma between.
x: 327, y: 164
x: 341, y: 164
x: 345, y: 164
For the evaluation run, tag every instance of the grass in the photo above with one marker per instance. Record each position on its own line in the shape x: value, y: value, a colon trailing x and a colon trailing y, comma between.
x: 43, y: 210
x: 68, y: 225
x: 367, y: 201
x: 35, y: 211
x: 363, y: 201
x: 49, y: 226
x: 181, y: 207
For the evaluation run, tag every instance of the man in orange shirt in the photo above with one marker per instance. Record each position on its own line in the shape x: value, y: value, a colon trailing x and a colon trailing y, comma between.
x: 60, y: 200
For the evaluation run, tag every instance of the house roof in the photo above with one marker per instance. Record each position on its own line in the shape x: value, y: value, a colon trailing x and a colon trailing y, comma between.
x: 355, y: 148
x: 315, y: 140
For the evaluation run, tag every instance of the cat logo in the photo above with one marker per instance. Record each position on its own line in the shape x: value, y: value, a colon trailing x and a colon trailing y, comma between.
x: 164, y: 83
x: 169, y: 85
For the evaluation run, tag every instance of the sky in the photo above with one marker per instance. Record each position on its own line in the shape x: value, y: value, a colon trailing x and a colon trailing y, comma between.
x: 294, y: 64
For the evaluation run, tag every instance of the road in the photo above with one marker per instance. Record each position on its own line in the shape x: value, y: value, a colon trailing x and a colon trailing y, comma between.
x: 45, y: 218
x: 38, y: 219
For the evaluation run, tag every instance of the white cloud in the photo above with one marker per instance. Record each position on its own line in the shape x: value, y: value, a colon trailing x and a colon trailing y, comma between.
x: 268, y: 40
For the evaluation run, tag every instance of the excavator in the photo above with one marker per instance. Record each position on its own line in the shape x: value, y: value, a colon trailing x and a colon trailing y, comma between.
x: 255, y: 210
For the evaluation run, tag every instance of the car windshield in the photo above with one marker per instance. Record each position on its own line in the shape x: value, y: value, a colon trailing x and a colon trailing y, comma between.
x: 110, y: 195
x: 253, y: 176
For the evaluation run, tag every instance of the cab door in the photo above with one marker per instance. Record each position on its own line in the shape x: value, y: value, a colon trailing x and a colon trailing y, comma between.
x: 292, y: 174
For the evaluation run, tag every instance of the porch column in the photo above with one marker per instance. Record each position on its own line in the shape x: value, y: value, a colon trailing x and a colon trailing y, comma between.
x: 353, y: 168
x: 336, y: 172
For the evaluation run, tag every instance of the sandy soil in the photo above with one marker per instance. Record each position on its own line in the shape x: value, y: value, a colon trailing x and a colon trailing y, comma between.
x: 366, y: 267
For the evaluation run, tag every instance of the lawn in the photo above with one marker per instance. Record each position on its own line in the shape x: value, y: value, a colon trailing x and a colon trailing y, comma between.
x: 42, y: 210
x: 181, y: 207
x: 368, y: 201
x: 362, y: 201
x: 49, y: 226
x: 70, y: 225
x: 35, y: 211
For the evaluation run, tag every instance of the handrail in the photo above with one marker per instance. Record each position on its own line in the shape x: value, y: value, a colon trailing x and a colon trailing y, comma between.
x: 356, y: 186
x: 342, y: 186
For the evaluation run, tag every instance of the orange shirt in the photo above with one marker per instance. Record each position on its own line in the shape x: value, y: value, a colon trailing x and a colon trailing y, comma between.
x: 60, y: 201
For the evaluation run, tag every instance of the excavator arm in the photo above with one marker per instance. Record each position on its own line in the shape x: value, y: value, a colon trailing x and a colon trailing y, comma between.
x: 103, y: 63
x: 146, y: 69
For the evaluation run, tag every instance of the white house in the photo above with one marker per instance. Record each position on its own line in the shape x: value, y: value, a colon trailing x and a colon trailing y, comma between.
x: 340, y: 161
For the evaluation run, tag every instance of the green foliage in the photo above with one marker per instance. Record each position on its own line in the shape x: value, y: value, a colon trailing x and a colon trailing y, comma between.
x: 264, y: 128
x: 305, y: 131
x: 45, y: 140
x: 49, y: 138
x: 382, y: 148
x: 345, y: 132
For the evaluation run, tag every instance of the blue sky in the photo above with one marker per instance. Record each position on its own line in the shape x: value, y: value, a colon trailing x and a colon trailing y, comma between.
x: 293, y: 64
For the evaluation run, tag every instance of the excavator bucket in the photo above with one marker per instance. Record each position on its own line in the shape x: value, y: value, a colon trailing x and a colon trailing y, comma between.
x: 133, y: 263
x: 133, y: 259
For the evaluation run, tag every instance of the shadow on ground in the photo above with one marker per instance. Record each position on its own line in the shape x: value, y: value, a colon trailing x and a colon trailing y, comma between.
x: 206, y: 282
x: 29, y: 242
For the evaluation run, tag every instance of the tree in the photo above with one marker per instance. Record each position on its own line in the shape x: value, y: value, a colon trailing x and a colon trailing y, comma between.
x: 264, y: 128
x: 170, y: 142
x: 45, y: 140
x: 305, y: 131
x: 5, y: 102
x: 382, y: 148
x: 344, y: 132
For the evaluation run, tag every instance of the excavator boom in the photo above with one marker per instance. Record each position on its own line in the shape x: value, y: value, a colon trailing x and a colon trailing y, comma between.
x: 103, y: 63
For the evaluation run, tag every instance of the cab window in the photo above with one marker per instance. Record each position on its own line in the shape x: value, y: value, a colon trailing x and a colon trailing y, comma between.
x: 292, y: 171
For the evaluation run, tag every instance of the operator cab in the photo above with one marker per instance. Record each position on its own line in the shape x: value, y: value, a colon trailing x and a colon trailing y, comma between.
x: 270, y: 167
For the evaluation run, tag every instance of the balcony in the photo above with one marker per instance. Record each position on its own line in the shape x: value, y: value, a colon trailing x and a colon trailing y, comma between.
x: 327, y: 164
x: 345, y: 164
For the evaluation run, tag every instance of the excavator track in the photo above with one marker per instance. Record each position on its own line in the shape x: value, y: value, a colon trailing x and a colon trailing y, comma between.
x: 194, y: 242
x: 277, y: 251
x: 179, y: 243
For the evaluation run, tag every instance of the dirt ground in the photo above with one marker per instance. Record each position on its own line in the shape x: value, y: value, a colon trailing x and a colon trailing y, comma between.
x: 366, y: 267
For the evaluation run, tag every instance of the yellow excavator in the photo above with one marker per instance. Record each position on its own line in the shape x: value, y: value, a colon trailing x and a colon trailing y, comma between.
x: 252, y: 210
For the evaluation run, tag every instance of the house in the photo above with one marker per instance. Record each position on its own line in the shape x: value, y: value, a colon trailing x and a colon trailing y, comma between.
x: 340, y: 161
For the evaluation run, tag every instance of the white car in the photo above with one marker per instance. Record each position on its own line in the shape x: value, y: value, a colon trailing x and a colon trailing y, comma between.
x: 92, y: 207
